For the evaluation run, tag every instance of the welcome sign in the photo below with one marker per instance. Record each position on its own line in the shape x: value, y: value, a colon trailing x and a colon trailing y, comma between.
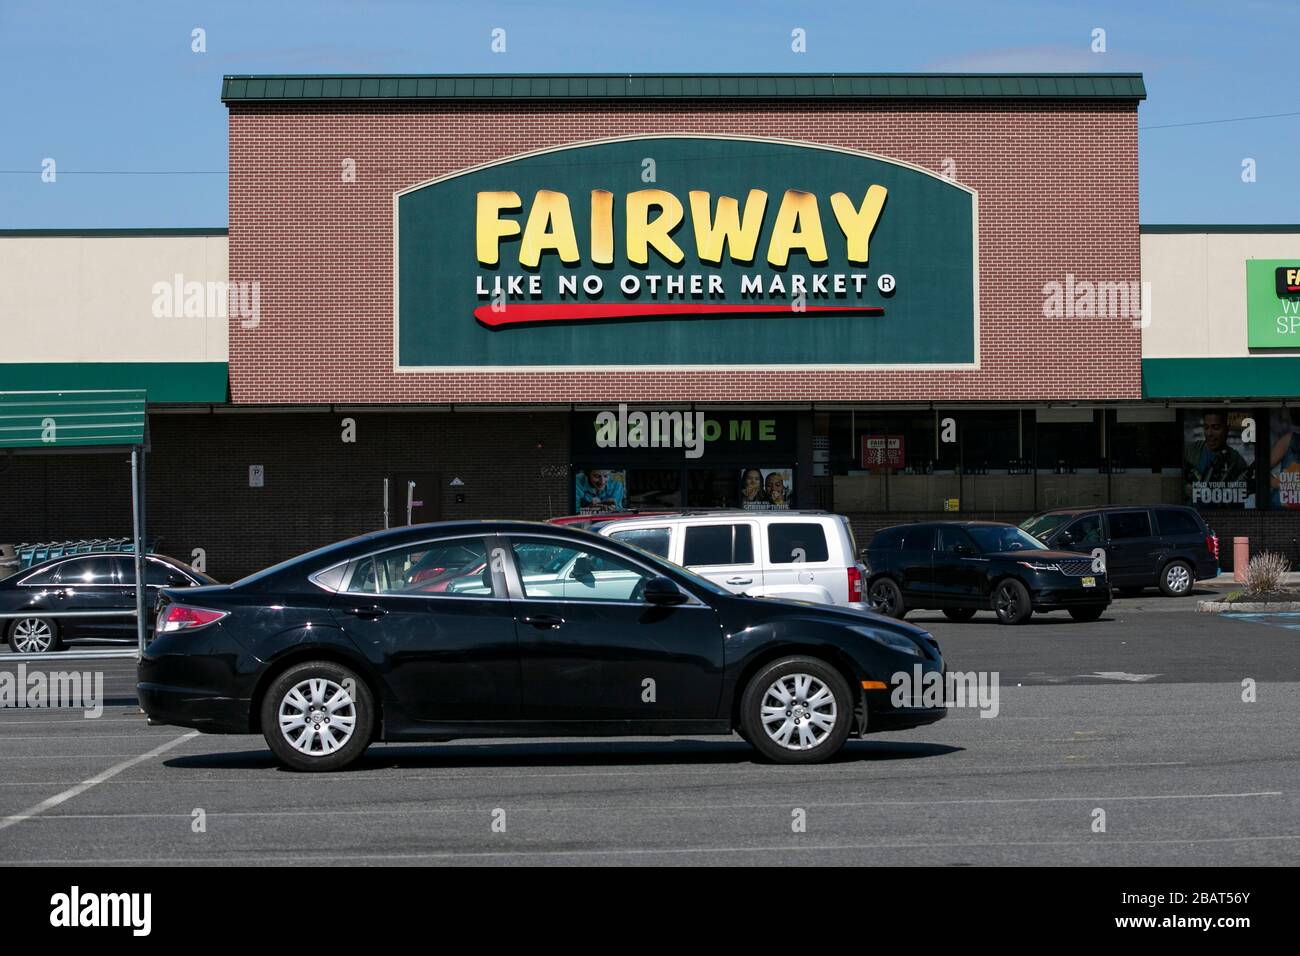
x: 686, y: 251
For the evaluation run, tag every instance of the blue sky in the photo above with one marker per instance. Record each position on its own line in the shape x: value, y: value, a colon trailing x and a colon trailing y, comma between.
x: 113, y: 92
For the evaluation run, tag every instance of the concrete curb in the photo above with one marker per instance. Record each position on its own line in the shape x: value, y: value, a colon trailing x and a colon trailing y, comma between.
x: 1250, y: 607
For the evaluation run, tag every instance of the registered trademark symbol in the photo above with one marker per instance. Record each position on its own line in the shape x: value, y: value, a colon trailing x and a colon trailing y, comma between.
x: 885, y: 283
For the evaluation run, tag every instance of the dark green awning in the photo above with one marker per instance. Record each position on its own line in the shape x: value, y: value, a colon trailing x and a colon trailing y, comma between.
x: 53, y: 420
x: 624, y: 86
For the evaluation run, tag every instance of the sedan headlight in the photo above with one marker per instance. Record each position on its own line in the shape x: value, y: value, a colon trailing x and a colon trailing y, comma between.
x: 1039, y: 566
x: 895, y: 642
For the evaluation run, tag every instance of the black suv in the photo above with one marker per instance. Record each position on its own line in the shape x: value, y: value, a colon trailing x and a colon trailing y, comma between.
x: 1165, y: 546
x: 961, y: 567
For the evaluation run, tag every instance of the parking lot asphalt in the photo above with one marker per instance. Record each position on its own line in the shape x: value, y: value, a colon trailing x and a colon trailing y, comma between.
x: 1139, y: 716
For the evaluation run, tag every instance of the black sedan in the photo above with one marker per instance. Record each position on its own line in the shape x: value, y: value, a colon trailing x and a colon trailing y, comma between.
x: 961, y: 567
x: 83, y: 597
x: 510, y: 629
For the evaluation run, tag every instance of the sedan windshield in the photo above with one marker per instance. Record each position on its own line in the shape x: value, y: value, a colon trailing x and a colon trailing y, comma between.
x: 994, y: 538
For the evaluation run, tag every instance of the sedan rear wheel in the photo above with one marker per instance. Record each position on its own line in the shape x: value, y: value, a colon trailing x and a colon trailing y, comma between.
x: 797, y: 710
x: 318, y: 716
x: 1011, y: 602
x: 34, y: 635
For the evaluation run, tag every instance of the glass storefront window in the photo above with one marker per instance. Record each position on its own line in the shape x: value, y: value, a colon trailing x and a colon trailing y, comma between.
x: 1065, y: 447
x: 1141, y: 446
x: 650, y: 489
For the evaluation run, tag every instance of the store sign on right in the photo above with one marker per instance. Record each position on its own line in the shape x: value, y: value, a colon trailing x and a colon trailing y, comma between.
x: 1273, y: 303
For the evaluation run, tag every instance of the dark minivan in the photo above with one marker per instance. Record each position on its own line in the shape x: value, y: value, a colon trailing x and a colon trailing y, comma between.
x: 1164, y: 546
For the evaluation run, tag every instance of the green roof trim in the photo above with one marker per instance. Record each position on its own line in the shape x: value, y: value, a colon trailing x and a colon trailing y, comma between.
x: 53, y: 420
x: 1251, y: 376
x: 306, y: 88
x: 172, y: 382
x: 1159, y: 229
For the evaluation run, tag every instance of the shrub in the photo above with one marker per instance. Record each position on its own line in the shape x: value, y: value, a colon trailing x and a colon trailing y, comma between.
x: 1266, y: 572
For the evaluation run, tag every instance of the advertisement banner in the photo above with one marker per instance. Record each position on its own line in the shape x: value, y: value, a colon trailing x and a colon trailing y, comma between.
x: 686, y: 251
x: 882, y: 451
x: 766, y: 489
x: 1273, y: 303
x: 1219, y: 458
x: 1284, y: 458
x: 597, y: 490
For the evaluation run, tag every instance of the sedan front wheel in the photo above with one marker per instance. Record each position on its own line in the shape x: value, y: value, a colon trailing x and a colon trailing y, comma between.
x: 797, y: 710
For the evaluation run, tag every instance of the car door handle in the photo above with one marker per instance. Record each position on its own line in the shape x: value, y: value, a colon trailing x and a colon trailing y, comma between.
x: 740, y: 580
x: 544, y: 621
x: 367, y: 613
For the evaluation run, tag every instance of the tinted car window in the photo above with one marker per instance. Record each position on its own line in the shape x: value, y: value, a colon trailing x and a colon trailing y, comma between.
x: 1129, y: 524
x: 891, y: 539
x: 1040, y: 526
x: 155, y: 572
x: 1177, y: 521
x: 996, y: 538
x: 654, y: 540
x: 951, y: 538
x: 718, y: 544
x: 42, y: 577
x: 791, y: 543
x: 1086, y: 531
x: 86, y: 571
x: 919, y: 539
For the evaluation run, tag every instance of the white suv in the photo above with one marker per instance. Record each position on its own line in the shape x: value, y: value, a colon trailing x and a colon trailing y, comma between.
x: 804, y: 555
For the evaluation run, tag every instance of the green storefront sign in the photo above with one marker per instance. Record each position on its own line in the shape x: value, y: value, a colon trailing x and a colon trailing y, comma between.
x: 687, y: 251
x: 1273, y: 303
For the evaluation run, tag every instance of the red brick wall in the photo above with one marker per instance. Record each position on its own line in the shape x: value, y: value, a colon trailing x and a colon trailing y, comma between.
x: 1057, y: 187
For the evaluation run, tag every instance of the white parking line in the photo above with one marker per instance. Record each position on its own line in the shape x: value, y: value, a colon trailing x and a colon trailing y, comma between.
x: 99, y: 778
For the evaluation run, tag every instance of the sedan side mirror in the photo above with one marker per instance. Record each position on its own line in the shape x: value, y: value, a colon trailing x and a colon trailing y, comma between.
x: 660, y: 590
x: 1065, y: 538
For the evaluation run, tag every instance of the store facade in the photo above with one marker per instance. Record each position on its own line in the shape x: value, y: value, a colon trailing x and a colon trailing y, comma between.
x: 891, y: 296
x: 840, y: 277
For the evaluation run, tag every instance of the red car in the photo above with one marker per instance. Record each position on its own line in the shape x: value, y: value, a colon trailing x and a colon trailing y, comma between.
x: 584, y: 522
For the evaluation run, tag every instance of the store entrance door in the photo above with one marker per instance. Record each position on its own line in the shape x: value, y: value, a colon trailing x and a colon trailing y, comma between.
x: 425, y: 497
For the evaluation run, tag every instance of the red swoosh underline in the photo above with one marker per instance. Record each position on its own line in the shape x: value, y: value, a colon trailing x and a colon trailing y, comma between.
x: 535, y: 313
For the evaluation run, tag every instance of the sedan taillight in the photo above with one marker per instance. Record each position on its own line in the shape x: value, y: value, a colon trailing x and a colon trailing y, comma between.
x: 185, y: 617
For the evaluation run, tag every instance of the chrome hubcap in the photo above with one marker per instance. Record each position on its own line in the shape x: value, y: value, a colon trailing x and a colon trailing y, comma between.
x: 1179, y: 578
x: 31, y: 636
x: 317, y: 716
x: 798, y: 711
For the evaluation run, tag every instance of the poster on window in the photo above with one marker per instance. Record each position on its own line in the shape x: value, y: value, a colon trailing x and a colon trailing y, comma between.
x: 598, y: 490
x: 1284, y: 458
x: 882, y: 451
x: 1218, y: 460
x: 766, y: 489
